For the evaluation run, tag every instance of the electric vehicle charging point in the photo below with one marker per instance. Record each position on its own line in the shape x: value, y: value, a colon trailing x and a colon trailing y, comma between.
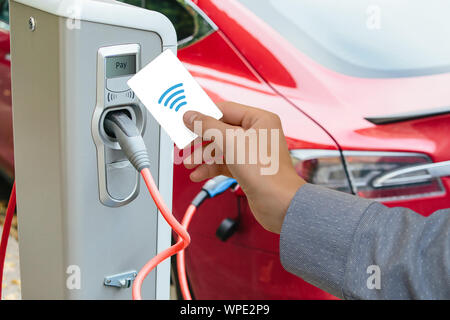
x: 86, y: 224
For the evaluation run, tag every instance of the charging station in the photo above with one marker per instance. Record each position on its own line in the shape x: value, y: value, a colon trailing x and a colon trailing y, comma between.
x: 86, y: 223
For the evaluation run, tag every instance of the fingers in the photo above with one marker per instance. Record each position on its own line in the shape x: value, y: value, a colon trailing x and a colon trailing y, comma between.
x: 189, y: 165
x: 208, y: 171
x: 192, y: 119
x: 235, y: 113
x: 200, y: 156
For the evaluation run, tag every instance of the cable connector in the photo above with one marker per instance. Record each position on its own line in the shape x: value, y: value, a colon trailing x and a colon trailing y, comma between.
x: 119, y: 125
x: 213, y: 187
x: 218, y: 185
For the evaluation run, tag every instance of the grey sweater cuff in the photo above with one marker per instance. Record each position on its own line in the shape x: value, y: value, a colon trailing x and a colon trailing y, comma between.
x: 317, y: 235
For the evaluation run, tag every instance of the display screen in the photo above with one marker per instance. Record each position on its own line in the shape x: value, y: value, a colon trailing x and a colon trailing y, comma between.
x: 120, y: 66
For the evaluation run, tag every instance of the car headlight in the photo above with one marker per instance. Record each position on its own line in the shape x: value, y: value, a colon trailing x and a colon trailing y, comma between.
x: 382, y: 176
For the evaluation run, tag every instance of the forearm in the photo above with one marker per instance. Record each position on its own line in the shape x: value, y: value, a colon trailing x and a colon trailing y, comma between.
x: 330, y: 239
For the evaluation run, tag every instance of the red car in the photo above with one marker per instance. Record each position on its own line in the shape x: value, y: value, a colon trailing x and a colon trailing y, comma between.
x: 363, y: 94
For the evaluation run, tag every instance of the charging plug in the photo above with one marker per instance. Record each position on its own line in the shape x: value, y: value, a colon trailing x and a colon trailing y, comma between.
x: 119, y: 125
x: 213, y: 187
x: 218, y: 185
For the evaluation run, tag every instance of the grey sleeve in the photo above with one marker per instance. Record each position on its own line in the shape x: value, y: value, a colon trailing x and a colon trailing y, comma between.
x: 359, y: 249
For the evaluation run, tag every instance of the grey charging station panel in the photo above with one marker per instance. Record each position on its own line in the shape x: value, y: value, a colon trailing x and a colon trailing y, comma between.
x: 118, y: 180
x: 69, y: 238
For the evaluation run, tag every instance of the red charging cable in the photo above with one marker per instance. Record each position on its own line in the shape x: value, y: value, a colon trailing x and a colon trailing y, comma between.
x: 181, y: 265
x: 181, y: 230
x: 182, y: 243
x: 6, y: 230
x: 211, y: 189
x: 183, y: 240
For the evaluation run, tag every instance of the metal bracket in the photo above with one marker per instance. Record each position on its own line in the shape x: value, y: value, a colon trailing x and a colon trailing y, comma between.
x: 121, y: 280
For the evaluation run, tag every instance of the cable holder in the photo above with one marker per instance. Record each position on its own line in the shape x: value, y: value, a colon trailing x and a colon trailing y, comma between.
x: 121, y: 280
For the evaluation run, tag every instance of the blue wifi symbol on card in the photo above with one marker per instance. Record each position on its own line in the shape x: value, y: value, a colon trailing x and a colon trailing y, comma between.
x: 175, y: 97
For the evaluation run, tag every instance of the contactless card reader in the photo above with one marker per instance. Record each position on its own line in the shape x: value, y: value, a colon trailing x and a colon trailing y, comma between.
x: 118, y: 180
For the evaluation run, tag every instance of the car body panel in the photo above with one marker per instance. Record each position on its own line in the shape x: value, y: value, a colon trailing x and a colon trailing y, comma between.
x: 224, y: 75
x: 325, y: 95
x: 338, y: 104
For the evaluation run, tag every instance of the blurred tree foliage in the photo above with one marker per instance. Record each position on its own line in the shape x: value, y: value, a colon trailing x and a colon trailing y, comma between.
x: 181, y: 18
x: 4, y: 11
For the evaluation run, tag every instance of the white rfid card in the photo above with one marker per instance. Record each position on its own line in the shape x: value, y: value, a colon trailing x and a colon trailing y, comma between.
x: 168, y: 90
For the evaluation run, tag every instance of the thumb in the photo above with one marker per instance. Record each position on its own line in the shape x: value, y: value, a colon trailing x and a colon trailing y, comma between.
x: 200, y: 123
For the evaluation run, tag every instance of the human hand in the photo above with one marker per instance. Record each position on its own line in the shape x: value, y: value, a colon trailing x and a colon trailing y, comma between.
x: 267, y: 175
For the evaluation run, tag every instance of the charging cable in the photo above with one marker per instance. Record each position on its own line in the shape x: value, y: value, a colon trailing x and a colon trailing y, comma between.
x: 211, y: 189
x: 120, y: 126
x: 5, y: 233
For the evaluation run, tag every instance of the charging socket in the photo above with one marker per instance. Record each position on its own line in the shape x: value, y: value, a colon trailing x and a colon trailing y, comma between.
x: 118, y: 180
x: 135, y: 114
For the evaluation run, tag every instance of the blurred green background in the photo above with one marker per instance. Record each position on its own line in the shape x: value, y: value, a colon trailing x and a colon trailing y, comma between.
x: 179, y: 15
